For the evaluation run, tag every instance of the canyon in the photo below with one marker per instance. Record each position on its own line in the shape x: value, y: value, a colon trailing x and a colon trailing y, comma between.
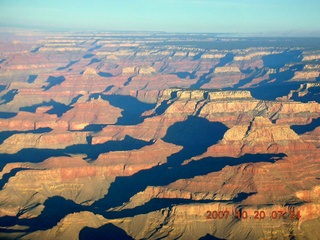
x: 143, y: 136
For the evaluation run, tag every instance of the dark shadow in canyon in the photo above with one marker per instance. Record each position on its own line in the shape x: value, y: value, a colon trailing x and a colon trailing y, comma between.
x: 278, y: 84
x: 105, y: 74
x: 195, y: 135
x: 94, y: 128
x: 312, y: 95
x: 94, y: 48
x: 32, y: 78
x: 197, y: 56
x: 88, y: 55
x: 128, y: 81
x: 210, y: 237
x: 53, y: 81
x: 5, y: 178
x: 68, y: 65
x: 95, y: 42
x: 9, y: 96
x: 51, y: 214
x: 165, y: 104
x: 249, y: 70
x: 7, y: 115
x: 109, y: 88
x: 156, y: 204
x: 2, y: 60
x: 123, y: 188
x: 2, y: 87
x: 35, y: 155
x: 94, y: 60
x: 32, y: 155
x: 279, y: 60
x: 75, y: 99
x: 184, y: 75
x: 36, y: 49
x: 55, y: 208
x: 280, y: 77
x: 132, y: 108
x: 205, y: 78
x: 57, y: 108
x: 255, y: 74
x: 272, y: 92
x: 301, y: 129
x: 105, y: 232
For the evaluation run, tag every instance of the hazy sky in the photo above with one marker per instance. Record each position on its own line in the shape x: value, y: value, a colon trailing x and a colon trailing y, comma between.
x: 293, y: 17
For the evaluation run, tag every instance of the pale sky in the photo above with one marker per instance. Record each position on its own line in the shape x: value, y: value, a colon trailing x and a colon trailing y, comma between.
x: 283, y: 17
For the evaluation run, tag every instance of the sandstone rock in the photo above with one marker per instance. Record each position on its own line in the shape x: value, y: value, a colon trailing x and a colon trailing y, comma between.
x: 130, y: 70
x: 68, y: 177
x: 156, y: 74
x: 66, y: 229
x: 129, y: 162
x: 312, y: 137
x: 251, y: 55
x: 306, y: 75
x: 210, y: 55
x: 51, y: 140
x: 261, y: 136
x: 146, y: 70
x: 90, y: 71
x: 25, y: 121
x: 311, y: 57
x: 94, y: 111
x: 226, y: 70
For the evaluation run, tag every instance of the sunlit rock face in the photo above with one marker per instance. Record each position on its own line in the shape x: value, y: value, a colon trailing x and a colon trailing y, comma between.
x: 152, y: 136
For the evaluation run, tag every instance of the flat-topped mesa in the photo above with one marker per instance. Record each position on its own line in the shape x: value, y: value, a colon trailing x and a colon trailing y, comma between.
x: 309, y: 85
x: 167, y: 94
x: 146, y: 70
x: 311, y: 57
x: 227, y: 70
x: 212, y: 55
x: 138, y: 70
x: 306, y: 75
x: 193, y: 95
x: 227, y: 95
x: 62, y: 49
x: 183, y: 94
x: 130, y: 70
x: 187, y: 94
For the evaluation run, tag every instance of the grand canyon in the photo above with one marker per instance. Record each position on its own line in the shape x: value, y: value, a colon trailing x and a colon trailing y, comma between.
x: 152, y: 135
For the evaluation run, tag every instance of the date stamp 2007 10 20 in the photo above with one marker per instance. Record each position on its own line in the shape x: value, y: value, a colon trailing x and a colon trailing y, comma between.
x: 290, y: 213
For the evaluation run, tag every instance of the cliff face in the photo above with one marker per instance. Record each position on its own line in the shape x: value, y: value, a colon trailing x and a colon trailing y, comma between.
x: 229, y: 107
x: 261, y: 136
x: 68, y: 177
x: 91, y: 112
x: 52, y: 140
x: 178, y: 222
x: 236, y: 170
x: 147, y: 136
x: 126, y: 163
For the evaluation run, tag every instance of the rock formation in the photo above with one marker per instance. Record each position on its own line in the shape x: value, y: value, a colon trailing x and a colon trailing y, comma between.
x: 158, y: 136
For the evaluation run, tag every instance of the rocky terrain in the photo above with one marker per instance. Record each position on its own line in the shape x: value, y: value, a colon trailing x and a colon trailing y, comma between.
x: 158, y: 136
